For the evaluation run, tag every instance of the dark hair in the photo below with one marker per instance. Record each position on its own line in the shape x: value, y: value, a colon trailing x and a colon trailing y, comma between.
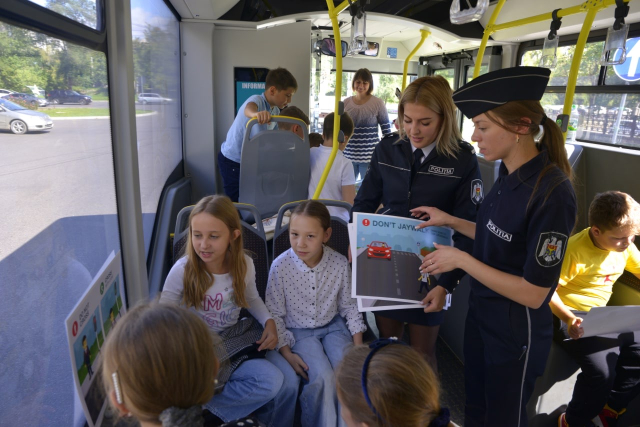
x: 84, y: 338
x: 281, y: 78
x: 510, y: 115
x: 364, y: 75
x: 296, y: 113
x: 315, y: 139
x: 111, y: 310
x: 346, y: 125
x: 614, y: 209
x: 314, y: 209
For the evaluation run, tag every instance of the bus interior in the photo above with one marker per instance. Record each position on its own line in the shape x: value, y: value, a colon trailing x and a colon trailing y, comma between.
x: 114, y: 175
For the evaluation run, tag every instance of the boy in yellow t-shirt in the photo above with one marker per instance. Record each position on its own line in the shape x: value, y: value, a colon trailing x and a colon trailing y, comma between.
x: 593, y: 261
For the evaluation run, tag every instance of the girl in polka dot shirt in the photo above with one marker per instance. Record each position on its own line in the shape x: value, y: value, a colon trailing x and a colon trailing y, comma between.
x: 309, y: 297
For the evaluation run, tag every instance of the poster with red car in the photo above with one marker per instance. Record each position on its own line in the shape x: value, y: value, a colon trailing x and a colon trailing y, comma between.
x: 387, y: 252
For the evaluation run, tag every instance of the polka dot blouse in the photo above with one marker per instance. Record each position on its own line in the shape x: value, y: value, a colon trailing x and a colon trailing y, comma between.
x: 302, y: 297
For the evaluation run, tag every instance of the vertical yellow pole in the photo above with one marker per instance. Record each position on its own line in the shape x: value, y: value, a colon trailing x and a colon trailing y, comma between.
x: 424, y: 35
x: 333, y: 15
x: 577, y: 57
x: 485, y: 37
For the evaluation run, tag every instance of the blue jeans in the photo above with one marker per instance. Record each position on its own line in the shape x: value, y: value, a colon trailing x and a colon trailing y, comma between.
x: 230, y: 172
x: 322, y: 350
x: 360, y: 168
x: 259, y: 386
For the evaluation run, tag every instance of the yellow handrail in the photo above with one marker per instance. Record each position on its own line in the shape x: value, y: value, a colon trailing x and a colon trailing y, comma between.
x: 485, y: 37
x: 424, y: 35
x: 333, y: 15
x: 590, y: 7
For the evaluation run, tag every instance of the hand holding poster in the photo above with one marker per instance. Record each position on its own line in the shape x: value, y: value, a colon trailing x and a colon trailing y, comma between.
x: 387, y: 252
x: 87, y: 327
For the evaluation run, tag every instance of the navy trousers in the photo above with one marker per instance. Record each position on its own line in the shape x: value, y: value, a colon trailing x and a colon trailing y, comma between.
x: 610, y: 367
x: 230, y: 172
x: 505, y: 349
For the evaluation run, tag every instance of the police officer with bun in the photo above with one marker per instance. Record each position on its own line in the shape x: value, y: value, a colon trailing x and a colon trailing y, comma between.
x: 520, y: 236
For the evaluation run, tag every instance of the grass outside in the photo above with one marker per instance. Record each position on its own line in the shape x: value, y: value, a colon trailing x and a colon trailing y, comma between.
x: 79, y: 112
x: 95, y: 94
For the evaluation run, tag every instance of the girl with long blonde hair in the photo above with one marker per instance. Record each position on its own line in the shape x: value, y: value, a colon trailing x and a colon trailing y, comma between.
x: 217, y: 279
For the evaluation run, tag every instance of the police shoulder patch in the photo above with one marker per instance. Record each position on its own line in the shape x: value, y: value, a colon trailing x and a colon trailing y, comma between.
x: 550, y: 249
x: 477, y: 191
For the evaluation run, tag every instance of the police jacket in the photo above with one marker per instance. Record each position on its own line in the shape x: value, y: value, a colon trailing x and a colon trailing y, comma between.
x: 451, y: 184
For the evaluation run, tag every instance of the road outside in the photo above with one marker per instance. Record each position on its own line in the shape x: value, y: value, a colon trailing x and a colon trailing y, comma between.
x: 68, y: 171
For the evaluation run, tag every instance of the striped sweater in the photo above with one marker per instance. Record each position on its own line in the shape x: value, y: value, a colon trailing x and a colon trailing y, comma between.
x: 366, y: 118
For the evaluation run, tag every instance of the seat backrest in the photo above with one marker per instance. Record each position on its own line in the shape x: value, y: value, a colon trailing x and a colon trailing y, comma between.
x: 339, y: 240
x: 181, y: 233
x: 255, y: 243
x: 275, y: 167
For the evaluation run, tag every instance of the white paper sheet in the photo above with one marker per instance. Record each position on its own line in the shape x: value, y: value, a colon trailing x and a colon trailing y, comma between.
x: 611, y: 320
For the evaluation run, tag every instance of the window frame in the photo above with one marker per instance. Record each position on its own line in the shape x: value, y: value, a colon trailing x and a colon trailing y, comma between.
x: 599, y: 35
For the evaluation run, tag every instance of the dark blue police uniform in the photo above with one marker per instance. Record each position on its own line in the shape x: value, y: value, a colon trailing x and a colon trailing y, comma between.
x: 450, y: 184
x: 503, y: 339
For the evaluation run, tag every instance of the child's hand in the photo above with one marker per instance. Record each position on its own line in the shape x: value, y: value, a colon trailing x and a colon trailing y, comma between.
x: 269, y: 338
x: 297, y: 364
x: 445, y: 258
x: 357, y: 338
x: 263, y: 117
x: 575, y: 329
x: 433, y: 216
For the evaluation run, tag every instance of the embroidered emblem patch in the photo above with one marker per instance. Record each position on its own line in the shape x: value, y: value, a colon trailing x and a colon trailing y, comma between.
x: 498, y: 232
x: 477, y: 191
x: 550, y: 248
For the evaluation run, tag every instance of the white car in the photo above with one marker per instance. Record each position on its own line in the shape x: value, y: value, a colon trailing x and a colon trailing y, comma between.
x: 21, y: 120
x: 5, y: 92
x: 152, y: 98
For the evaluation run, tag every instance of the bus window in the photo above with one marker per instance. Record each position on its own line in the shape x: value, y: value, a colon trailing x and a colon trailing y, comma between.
x: 156, y: 59
x: 609, y: 110
x: 467, y: 124
x: 83, y: 12
x: 448, y: 74
x: 59, y: 218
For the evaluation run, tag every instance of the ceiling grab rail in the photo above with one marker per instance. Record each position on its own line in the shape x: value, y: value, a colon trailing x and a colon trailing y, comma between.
x: 424, y: 35
x: 590, y: 7
x: 334, y: 11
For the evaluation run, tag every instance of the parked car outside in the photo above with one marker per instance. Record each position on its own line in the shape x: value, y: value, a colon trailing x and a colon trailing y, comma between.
x: 152, y: 98
x: 21, y: 120
x: 25, y: 97
x: 65, y: 96
x: 5, y: 92
x: 379, y: 250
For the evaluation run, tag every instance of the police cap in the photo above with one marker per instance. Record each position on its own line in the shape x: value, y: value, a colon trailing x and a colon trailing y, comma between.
x: 498, y: 87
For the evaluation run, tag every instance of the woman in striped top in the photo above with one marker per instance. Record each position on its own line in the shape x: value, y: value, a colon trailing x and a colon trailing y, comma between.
x: 367, y: 112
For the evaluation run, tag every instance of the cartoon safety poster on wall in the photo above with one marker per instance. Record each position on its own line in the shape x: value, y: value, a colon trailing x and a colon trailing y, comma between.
x: 88, y: 325
x: 388, y: 253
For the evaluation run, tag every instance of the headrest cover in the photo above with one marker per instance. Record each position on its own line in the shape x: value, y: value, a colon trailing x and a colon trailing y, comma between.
x: 496, y: 88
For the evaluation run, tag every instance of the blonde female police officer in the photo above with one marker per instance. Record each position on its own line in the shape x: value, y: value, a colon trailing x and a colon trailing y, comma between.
x: 520, y: 234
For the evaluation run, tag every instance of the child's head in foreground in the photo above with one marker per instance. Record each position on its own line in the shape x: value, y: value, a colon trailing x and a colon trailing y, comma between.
x: 296, y: 113
x: 159, y: 365
x: 614, y: 218
x: 401, y: 387
x: 346, y: 126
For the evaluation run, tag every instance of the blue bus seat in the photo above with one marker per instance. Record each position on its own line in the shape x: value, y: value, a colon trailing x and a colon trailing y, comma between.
x: 275, y: 167
x: 181, y: 233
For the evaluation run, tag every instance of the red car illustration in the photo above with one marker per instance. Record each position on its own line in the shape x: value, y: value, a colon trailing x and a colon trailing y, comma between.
x: 379, y: 250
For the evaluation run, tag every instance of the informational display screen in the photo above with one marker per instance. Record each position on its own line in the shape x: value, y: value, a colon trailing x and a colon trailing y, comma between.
x: 248, y: 81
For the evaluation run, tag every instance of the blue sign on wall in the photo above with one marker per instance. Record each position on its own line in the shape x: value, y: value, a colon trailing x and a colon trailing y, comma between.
x: 245, y: 89
x: 392, y: 52
x: 630, y: 69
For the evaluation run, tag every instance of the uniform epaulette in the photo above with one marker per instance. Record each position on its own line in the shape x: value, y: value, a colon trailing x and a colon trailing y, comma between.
x: 465, y: 145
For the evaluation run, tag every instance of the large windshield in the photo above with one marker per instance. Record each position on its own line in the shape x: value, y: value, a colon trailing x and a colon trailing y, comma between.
x: 10, y: 105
